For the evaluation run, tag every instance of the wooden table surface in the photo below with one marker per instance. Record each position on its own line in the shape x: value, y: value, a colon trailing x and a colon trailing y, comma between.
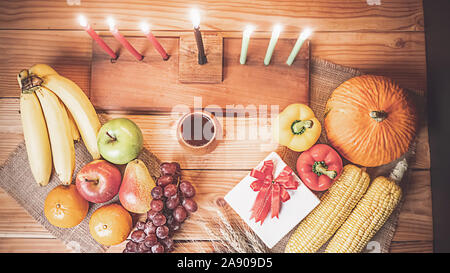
x: 386, y: 39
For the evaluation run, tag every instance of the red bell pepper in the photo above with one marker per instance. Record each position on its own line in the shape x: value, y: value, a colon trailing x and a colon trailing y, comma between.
x: 319, y: 167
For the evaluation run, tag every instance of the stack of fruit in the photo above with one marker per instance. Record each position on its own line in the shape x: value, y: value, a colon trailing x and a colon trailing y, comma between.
x: 171, y: 204
x: 55, y: 112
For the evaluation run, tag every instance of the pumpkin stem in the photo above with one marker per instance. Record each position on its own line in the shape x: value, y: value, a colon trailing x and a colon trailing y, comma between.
x: 379, y: 116
x: 298, y: 127
x: 319, y: 168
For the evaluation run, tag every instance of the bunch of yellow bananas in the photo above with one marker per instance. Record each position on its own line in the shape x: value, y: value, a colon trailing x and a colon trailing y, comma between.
x: 54, y: 112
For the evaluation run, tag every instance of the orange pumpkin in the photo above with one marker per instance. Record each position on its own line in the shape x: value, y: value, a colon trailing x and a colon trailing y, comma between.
x: 370, y: 120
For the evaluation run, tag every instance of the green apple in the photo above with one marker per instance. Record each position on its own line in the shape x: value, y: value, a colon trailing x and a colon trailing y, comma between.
x: 119, y: 141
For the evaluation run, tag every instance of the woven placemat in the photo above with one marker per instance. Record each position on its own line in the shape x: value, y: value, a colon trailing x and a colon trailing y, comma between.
x: 17, y: 180
x: 325, y: 77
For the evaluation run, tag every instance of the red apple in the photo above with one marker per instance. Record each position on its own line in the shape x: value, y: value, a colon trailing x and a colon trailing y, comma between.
x: 98, y: 181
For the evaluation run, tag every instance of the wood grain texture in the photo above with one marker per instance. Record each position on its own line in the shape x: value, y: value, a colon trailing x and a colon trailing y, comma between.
x: 189, y: 71
x: 156, y: 85
x: 67, y: 52
x: 246, y: 139
x: 353, y: 15
x: 412, y: 247
x: 51, y: 245
x: 399, y: 55
x: 28, y: 245
x: 416, y: 208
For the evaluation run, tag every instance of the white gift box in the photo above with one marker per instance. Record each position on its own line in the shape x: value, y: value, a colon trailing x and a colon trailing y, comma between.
x: 302, y: 201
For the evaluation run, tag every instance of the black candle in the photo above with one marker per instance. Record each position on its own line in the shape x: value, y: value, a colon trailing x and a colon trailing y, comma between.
x: 201, y: 50
x: 195, y: 16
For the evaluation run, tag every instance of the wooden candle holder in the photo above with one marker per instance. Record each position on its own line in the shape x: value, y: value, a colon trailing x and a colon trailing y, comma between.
x: 157, y: 85
x: 189, y: 71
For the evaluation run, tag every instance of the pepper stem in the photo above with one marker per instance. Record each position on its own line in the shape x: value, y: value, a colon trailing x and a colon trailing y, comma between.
x: 320, y: 168
x: 298, y: 127
x: 379, y: 116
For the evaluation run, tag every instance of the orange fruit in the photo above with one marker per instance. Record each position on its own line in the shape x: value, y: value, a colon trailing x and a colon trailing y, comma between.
x: 64, y: 207
x: 110, y: 224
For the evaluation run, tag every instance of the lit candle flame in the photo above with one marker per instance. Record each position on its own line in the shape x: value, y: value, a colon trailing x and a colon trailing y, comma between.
x: 276, y: 30
x: 195, y: 17
x: 248, y: 30
x: 306, y: 33
x: 145, y: 28
x: 82, y: 20
x: 111, y: 23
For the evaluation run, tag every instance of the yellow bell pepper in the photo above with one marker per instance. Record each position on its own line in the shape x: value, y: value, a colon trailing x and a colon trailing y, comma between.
x: 297, y: 128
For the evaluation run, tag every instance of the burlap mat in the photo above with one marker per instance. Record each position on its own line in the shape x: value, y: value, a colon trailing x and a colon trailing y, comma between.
x: 17, y: 180
x: 324, y: 78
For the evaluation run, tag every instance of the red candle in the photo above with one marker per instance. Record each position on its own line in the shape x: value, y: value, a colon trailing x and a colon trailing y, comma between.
x: 146, y: 30
x: 96, y: 38
x: 119, y: 37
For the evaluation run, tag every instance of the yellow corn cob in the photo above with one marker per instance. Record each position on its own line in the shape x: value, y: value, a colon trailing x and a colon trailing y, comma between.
x: 367, y: 218
x: 335, y: 206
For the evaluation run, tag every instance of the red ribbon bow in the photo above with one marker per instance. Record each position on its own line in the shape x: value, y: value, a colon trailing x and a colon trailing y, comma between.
x: 271, y: 191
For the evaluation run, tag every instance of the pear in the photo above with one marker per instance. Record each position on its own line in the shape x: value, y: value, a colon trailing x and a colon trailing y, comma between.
x: 137, y: 184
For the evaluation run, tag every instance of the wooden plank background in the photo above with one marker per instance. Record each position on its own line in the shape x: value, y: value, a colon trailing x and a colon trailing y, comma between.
x: 386, y: 39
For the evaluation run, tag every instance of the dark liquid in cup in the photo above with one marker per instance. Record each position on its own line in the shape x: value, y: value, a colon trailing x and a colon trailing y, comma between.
x: 197, y: 130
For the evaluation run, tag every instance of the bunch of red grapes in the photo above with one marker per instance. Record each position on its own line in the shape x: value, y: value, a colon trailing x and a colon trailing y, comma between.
x: 172, y: 202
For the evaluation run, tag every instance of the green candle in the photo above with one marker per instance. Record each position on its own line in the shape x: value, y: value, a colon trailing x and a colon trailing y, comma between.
x: 298, y: 45
x: 273, y: 41
x: 245, y: 41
